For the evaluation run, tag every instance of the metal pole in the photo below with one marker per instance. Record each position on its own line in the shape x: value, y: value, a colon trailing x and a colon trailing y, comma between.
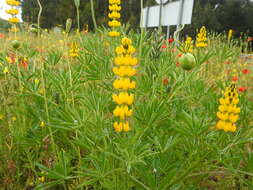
x: 180, y: 16
x: 160, y: 14
x: 168, y: 32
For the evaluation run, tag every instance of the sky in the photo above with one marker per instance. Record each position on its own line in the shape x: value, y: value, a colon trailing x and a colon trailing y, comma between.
x: 4, y: 7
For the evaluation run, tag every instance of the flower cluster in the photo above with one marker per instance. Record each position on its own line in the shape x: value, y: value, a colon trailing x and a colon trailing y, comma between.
x: 13, y: 11
x: 188, y: 45
x: 74, y: 50
x: 201, y: 38
x: 228, y: 113
x: 124, y: 69
x: 114, y: 15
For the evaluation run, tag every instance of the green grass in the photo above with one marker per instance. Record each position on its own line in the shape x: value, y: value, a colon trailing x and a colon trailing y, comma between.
x: 173, y: 143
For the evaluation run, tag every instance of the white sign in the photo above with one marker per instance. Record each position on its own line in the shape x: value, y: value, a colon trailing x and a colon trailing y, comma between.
x: 161, y: 1
x: 173, y: 13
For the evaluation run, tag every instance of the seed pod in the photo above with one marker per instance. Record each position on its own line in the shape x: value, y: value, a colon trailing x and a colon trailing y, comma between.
x: 15, y: 44
x: 68, y: 25
x: 77, y: 3
x: 187, y: 61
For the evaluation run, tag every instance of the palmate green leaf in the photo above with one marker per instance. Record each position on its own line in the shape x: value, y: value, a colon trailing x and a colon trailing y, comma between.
x: 54, y: 57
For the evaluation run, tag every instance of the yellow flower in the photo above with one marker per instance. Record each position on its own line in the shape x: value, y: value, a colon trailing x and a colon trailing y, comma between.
x: 114, y: 34
x: 201, y: 38
x: 114, y: 7
x: 117, y: 2
x: 126, y: 127
x: 126, y: 41
x: 12, y: 11
x: 36, y: 81
x: 12, y: 2
x: 122, y: 112
x: 123, y: 71
x: 13, y: 118
x: 233, y: 118
x: 124, y: 84
x: 118, y: 126
x: 42, y: 124
x: 114, y: 23
x: 74, y: 50
x: 14, y: 20
x: 123, y: 98
x: 114, y: 15
x: 41, y: 91
x: 220, y: 124
x: 188, y: 46
x: 120, y: 50
x: 222, y: 108
x: 125, y: 61
x: 235, y: 101
x: 42, y: 179
x: 230, y: 33
x: 228, y: 111
x: 6, y: 70
x: 130, y: 50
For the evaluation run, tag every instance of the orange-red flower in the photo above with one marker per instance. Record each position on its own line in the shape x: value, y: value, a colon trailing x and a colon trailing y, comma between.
x: 250, y: 39
x: 242, y: 89
x: 170, y: 40
x: 245, y: 71
x: 235, y: 78
x: 164, y: 46
x: 1, y: 35
x: 24, y: 63
x: 165, y: 82
x: 179, y: 55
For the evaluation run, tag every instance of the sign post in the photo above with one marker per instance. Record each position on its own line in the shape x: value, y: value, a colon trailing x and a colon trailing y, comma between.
x: 167, y: 13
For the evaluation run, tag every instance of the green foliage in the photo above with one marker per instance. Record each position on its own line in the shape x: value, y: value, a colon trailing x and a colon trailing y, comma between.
x: 56, y: 124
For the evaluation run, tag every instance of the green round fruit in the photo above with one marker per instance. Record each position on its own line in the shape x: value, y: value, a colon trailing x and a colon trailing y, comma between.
x: 15, y: 44
x: 33, y: 30
x: 187, y: 61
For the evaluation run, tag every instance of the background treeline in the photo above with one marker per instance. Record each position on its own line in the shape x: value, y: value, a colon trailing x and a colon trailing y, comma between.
x: 218, y: 15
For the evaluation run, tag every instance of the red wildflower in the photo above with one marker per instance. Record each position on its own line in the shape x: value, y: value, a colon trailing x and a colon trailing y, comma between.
x: 165, y: 82
x: 170, y: 40
x: 245, y: 71
x: 164, y: 46
x: 24, y: 63
x: 250, y: 39
x: 235, y: 78
x: 1, y: 35
x: 179, y: 55
x: 11, y: 58
x: 178, y: 64
x: 227, y: 62
x: 242, y: 89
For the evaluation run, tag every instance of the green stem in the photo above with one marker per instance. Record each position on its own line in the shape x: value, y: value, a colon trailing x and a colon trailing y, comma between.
x: 142, y: 34
x: 39, y: 15
x: 46, y: 108
x: 18, y: 69
x: 78, y: 18
x: 71, y: 83
x: 93, y: 14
